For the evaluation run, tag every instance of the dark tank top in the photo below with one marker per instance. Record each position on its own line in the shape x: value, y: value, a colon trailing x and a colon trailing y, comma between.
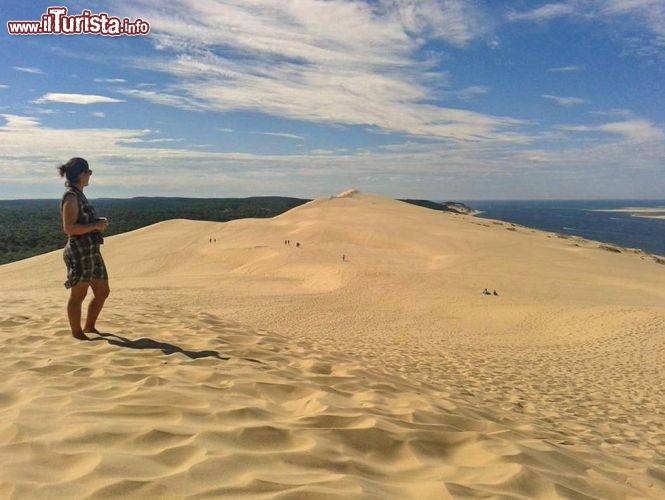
x: 87, y: 214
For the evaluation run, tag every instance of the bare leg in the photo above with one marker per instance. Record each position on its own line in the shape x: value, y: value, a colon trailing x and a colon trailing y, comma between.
x: 101, y: 290
x: 74, y: 303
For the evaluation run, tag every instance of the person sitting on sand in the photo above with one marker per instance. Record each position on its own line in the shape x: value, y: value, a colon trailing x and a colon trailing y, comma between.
x: 85, y: 266
x: 496, y: 294
x: 486, y: 292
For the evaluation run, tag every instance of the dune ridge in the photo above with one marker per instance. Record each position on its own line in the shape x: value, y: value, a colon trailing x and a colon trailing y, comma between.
x: 253, y: 368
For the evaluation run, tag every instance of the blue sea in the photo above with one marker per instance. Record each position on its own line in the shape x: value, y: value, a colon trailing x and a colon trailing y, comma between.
x: 579, y: 218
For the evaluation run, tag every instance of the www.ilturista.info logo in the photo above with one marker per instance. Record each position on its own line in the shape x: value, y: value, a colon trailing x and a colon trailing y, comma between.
x: 57, y: 22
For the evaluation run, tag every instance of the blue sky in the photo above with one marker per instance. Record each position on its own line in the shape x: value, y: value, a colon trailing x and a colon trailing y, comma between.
x: 438, y: 99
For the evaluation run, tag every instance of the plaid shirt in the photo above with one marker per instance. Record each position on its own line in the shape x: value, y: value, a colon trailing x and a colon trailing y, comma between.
x: 82, y: 255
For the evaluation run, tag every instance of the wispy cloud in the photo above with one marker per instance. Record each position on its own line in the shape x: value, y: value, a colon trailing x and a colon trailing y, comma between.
x: 280, y: 134
x: 618, y: 7
x: 632, y: 130
x: 129, y: 159
x: 494, y: 43
x: 456, y: 22
x: 566, y: 69
x: 334, y: 62
x: 137, y: 140
x: 565, y: 101
x: 33, y: 71
x: 470, y: 93
x: 3, y: 87
x: 98, y: 114
x: 613, y: 112
x: 165, y: 99
x: 635, y: 130
x: 638, y: 24
x: 543, y: 13
x: 75, y: 99
x: 110, y: 80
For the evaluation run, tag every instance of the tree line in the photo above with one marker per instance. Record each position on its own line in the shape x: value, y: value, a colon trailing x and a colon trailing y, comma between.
x: 34, y: 227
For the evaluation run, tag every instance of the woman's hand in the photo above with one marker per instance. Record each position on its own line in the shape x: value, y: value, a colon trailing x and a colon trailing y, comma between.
x: 101, y: 224
x: 70, y: 213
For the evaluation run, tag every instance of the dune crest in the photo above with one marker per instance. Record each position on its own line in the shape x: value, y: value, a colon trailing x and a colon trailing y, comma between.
x: 349, y: 193
x: 340, y: 350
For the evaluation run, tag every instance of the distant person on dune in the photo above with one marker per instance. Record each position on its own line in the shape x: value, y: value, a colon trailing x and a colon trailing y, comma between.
x: 85, y: 266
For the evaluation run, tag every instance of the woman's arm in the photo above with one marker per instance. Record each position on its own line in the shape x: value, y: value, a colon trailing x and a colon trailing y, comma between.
x: 70, y: 212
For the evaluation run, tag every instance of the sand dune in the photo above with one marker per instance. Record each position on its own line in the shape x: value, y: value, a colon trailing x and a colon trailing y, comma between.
x: 248, y: 368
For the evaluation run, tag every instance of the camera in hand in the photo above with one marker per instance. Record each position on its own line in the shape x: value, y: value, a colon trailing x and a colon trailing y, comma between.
x: 97, y: 235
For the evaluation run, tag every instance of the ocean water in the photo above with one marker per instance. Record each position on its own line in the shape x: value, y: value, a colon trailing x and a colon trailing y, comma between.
x: 579, y: 218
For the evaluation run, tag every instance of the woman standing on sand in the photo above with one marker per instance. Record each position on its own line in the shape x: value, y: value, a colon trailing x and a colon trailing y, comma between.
x: 85, y: 266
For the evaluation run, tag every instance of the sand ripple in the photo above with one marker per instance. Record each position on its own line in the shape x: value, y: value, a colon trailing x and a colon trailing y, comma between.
x: 145, y: 412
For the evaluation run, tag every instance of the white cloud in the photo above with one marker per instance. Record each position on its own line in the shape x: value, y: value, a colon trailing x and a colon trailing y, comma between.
x: 453, y: 21
x: 494, y: 43
x: 75, y: 99
x: 471, y: 93
x: 22, y: 131
x: 632, y: 130
x: 126, y: 162
x: 543, y: 13
x: 635, y: 130
x: 33, y: 71
x: 98, y: 114
x: 280, y: 134
x: 15, y: 122
x: 614, y: 112
x: 638, y: 24
x: 334, y: 62
x: 618, y: 7
x: 3, y: 87
x: 165, y: 99
x: 566, y: 69
x: 565, y: 101
x: 137, y: 140
x: 110, y: 80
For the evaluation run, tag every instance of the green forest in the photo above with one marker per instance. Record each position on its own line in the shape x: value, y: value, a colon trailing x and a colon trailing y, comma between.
x: 33, y: 227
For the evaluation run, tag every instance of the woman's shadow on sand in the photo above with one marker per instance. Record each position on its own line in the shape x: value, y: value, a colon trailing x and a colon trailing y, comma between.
x: 146, y: 343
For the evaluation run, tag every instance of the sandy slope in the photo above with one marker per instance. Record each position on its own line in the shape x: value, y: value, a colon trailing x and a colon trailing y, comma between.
x: 250, y: 368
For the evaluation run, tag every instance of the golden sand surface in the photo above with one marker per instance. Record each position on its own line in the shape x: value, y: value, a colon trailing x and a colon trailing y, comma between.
x: 360, y: 361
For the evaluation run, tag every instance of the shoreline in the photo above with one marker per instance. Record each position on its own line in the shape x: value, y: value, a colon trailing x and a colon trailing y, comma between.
x: 581, y: 240
x: 605, y: 245
x: 550, y: 221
